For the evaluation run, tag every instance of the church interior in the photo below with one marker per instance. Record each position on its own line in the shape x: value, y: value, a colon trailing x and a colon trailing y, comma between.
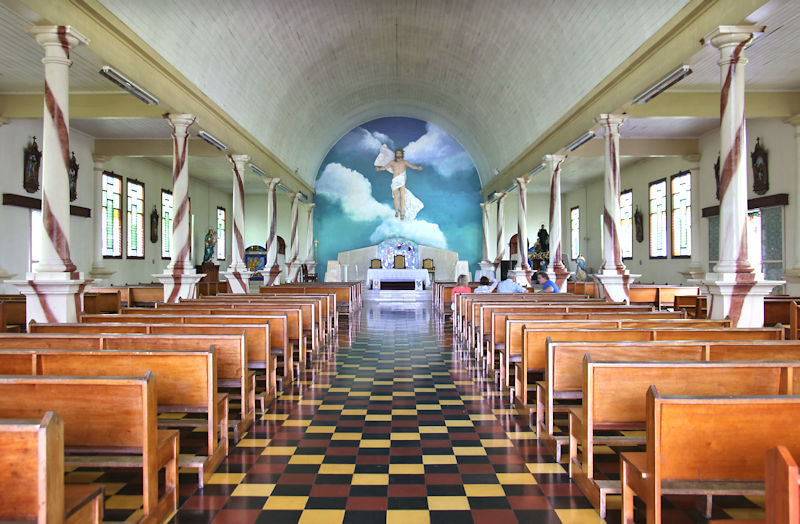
x: 395, y: 261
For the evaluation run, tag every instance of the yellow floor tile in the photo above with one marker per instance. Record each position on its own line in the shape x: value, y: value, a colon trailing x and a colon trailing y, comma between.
x: 458, y: 423
x: 496, y: 443
x: 111, y: 488
x: 472, y: 451
x: 370, y: 479
x: 432, y: 429
x: 320, y: 429
x: 306, y: 459
x: 253, y: 490
x: 448, y: 503
x: 375, y: 443
x: 408, y: 516
x: 286, y: 503
x: 358, y: 412
x: 438, y: 459
x: 745, y: 513
x: 279, y: 450
x: 429, y: 407
x: 522, y: 435
x: 404, y: 436
x: 404, y: 412
x: 322, y: 516
x: 545, y: 467
x: 331, y: 407
x: 82, y: 477
x: 253, y: 442
x: 137, y: 515
x: 346, y: 436
x: 380, y: 398
x: 484, y: 416
x: 484, y: 490
x: 123, y: 502
x: 378, y: 418
x: 406, y: 469
x: 274, y: 416
x: 336, y: 469
x: 308, y: 402
x: 403, y: 393
x: 579, y: 516
x: 516, y: 478
x: 450, y: 402
x: 226, y: 478
x: 297, y: 423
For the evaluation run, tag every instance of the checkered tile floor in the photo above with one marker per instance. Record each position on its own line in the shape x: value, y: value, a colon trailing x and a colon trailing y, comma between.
x: 393, y: 429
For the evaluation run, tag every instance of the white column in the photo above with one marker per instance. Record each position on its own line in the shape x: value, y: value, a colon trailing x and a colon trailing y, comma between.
x: 522, y: 273
x: 294, y: 263
x: 501, y: 231
x: 310, y: 263
x: 180, y: 278
x: 5, y: 275
x: 54, y: 291
x: 487, y: 266
x: 99, y: 272
x: 556, y: 270
x: 735, y: 289
x: 237, y: 275
x: 272, y: 270
x: 696, y: 269
x: 793, y: 274
x: 613, y: 277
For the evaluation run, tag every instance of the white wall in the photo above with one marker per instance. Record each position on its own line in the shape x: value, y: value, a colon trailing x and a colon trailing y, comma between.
x: 255, y: 221
x: 15, y: 239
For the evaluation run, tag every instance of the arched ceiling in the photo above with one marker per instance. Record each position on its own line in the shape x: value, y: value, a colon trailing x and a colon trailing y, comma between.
x: 299, y: 74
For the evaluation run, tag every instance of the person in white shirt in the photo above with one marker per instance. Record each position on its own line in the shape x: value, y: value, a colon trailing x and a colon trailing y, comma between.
x: 510, y: 286
x: 487, y: 285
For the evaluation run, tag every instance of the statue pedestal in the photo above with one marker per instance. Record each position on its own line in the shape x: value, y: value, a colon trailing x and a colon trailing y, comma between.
x: 53, y: 297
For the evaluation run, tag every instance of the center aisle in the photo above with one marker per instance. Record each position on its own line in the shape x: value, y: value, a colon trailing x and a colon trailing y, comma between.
x: 394, y: 430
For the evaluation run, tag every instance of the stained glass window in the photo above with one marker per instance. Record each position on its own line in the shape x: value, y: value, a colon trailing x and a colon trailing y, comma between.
x: 575, y: 232
x: 681, y: 214
x: 135, y: 219
x: 166, y: 223
x: 658, y: 219
x: 111, y: 219
x: 220, y: 233
x: 626, y: 223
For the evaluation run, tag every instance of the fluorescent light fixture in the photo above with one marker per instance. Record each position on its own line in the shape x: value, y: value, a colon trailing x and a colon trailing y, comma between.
x: 538, y: 169
x: 255, y: 169
x: 578, y: 142
x: 211, y: 139
x: 663, y: 84
x: 128, y: 85
x: 284, y: 188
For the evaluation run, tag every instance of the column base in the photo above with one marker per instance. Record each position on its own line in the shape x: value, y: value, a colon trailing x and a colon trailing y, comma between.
x: 487, y: 269
x: 101, y: 275
x: 696, y: 272
x: 272, y: 277
x: 293, y: 272
x: 5, y: 275
x: 738, y: 296
x: 238, y: 281
x: 178, y: 286
x: 311, y: 265
x: 53, y: 297
x: 615, y: 286
x: 560, y: 277
x: 520, y: 276
x: 792, y: 276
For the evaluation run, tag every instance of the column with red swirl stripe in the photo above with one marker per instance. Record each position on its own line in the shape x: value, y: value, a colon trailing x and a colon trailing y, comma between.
x: 486, y: 264
x: 736, y: 289
x: 614, y: 278
x: 556, y: 270
x: 272, y: 270
x: 501, y: 229
x: 180, y: 278
x: 54, y: 291
x: 294, y: 263
x: 310, y: 262
x: 523, y: 271
x: 237, y: 275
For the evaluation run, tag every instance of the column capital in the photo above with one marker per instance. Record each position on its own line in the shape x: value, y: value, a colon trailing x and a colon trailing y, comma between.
x: 239, y: 159
x: 271, y: 182
x: 483, y: 204
x: 60, y: 36
x: 793, y: 120
x: 311, y: 205
x: 180, y: 122
x: 100, y: 160
x: 522, y: 181
x: 610, y: 120
x: 499, y: 195
x: 553, y: 160
x: 694, y: 160
x: 732, y: 35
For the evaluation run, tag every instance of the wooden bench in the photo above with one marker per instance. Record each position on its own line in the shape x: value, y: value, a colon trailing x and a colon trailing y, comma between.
x: 659, y: 296
x: 32, y: 476
x: 94, y: 426
x: 705, y: 445
x: 614, y: 399
x: 102, y: 302
x: 782, y: 487
x: 186, y: 383
x: 232, y: 370
x: 348, y: 295
x: 12, y: 315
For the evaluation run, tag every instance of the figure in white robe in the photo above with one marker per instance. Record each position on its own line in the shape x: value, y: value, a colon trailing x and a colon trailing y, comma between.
x: 406, y: 205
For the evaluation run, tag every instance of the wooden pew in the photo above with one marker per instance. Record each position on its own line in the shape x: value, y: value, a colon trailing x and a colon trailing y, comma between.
x: 705, y: 445
x: 232, y: 370
x: 614, y: 399
x: 32, y: 476
x: 94, y: 426
x: 12, y: 315
x: 534, y: 347
x: 659, y: 296
x: 782, y: 487
x: 348, y: 294
x: 102, y: 302
x: 186, y: 383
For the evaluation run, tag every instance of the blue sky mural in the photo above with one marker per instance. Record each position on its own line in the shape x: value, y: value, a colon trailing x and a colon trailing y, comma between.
x: 354, y: 205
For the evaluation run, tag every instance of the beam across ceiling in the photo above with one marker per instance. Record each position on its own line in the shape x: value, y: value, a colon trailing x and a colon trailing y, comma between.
x: 706, y: 105
x: 81, y: 105
x: 642, y: 147
x: 669, y: 47
x: 152, y: 148
x: 116, y: 44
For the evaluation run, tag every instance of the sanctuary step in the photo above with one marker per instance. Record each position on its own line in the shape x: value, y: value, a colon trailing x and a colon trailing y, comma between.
x: 383, y: 295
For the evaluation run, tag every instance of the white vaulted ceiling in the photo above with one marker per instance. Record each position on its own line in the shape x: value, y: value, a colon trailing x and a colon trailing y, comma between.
x: 299, y: 74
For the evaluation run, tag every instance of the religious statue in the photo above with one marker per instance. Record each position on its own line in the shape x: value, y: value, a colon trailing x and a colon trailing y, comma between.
x: 32, y: 160
x: 154, y: 225
x: 638, y: 221
x: 716, y: 175
x: 211, y: 243
x: 760, y: 173
x: 580, y: 274
x: 406, y: 205
x: 73, y: 178
x: 544, y: 239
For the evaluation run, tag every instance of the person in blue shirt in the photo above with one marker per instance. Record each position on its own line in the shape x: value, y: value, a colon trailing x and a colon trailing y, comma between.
x: 548, y: 286
x: 510, y: 286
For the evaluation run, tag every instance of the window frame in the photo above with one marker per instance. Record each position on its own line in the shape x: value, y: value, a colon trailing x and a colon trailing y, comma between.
x: 102, y: 215
x: 574, y: 256
x: 650, y: 220
x: 222, y: 242
x: 171, y: 222
x: 127, y: 220
x: 631, y: 219
x: 672, y: 215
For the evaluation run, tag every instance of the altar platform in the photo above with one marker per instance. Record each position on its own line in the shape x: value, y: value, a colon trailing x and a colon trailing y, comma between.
x: 390, y: 278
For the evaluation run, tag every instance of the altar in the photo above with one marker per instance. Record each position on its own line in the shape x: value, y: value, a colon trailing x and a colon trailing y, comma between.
x: 419, y: 277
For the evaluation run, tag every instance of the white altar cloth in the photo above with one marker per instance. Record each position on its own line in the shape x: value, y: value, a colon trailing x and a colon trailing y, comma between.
x: 398, y: 275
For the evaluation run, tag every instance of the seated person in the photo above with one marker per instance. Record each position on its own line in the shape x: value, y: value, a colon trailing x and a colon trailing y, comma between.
x: 487, y: 285
x: 548, y: 286
x: 462, y: 286
x: 509, y: 285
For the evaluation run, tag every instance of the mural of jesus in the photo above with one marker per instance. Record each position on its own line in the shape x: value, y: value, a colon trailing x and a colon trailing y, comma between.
x: 405, y: 203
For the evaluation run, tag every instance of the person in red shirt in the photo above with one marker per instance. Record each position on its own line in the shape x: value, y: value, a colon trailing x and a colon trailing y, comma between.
x: 462, y: 286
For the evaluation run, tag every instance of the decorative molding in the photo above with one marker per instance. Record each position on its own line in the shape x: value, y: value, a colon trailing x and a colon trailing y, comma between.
x: 781, y: 199
x: 10, y: 199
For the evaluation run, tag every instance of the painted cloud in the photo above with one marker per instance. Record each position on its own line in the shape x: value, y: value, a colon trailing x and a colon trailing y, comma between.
x: 353, y: 192
x: 438, y: 149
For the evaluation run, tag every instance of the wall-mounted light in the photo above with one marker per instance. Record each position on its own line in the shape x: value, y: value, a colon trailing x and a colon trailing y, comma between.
x: 128, y: 85
x: 211, y: 139
x: 255, y: 169
x: 663, y: 84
